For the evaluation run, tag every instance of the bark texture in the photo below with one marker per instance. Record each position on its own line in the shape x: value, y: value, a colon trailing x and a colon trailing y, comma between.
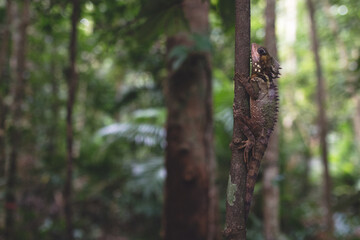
x: 271, y: 169
x: 235, y: 227
x: 72, y: 87
x: 190, y: 210
x: 322, y: 125
x: 18, y: 87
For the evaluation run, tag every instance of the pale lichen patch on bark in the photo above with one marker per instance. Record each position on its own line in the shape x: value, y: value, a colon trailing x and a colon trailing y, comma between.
x: 231, y: 189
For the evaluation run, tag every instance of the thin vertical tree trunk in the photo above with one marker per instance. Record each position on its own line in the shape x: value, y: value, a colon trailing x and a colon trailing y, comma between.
x: 4, y: 76
x: 235, y: 227
x: 16, y: 108
x: 305, y: 184
x: 190, y: 210
x: 72, y: 87
x: 356, y: 121
x: 271, y: 169
x: 53, y: 128
x: 343, y: 59
x: 322, y: 124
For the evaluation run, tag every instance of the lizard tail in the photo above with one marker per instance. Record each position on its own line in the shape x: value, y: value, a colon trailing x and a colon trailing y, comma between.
x: 253, y: 170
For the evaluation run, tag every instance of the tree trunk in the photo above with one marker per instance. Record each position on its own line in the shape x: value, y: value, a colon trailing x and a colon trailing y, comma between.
x: 72, y: 87
x: 190, y: 210
x: 16, y: 108
x: 271, y: 169
x: 322, y: 124
x: 356, y: 121
x: 235, y: 227
x: 343, y: 56
x: 4, y: 79
x: 52, y: 131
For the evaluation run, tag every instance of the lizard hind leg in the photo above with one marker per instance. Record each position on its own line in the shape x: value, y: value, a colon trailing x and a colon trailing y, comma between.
x: 247, y: 145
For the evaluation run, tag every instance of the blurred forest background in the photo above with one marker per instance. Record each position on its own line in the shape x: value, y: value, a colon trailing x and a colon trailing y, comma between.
x: 82, y: 98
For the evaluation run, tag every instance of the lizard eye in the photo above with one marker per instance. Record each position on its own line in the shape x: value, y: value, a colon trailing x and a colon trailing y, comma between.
x: 261, y: 51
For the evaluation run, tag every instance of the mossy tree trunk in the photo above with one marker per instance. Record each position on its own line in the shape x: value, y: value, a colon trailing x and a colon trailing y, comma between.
x: 190, y: 210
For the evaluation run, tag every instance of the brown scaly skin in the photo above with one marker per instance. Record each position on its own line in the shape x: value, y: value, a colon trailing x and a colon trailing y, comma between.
x: 263, y: 113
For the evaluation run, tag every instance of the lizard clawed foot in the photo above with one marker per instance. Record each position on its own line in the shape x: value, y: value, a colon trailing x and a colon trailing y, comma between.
x: 240, y: 78
x: 248, y: 146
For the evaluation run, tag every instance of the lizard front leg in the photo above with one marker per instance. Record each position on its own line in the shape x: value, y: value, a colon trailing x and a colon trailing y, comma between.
x: 249, y: 84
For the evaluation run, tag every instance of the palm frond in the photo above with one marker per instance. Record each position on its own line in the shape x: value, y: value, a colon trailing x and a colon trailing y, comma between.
x: 147, y: 134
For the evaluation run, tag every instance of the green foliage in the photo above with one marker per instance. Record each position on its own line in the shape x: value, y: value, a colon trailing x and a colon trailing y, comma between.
x: 226, y: 11
x: 120, y: 116
x: 159, y: 17
x: 201, y: 43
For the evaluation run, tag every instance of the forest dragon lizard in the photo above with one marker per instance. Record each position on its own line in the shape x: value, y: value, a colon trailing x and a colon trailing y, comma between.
x: 263, y: 113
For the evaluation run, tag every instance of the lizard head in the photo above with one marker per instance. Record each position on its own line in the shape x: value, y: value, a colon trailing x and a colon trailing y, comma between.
x: 263, y: 64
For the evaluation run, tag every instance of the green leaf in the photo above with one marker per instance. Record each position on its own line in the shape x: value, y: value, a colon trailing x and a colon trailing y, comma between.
x: 202, y: 43
x: 178, y: 55
x: 159, y: 17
